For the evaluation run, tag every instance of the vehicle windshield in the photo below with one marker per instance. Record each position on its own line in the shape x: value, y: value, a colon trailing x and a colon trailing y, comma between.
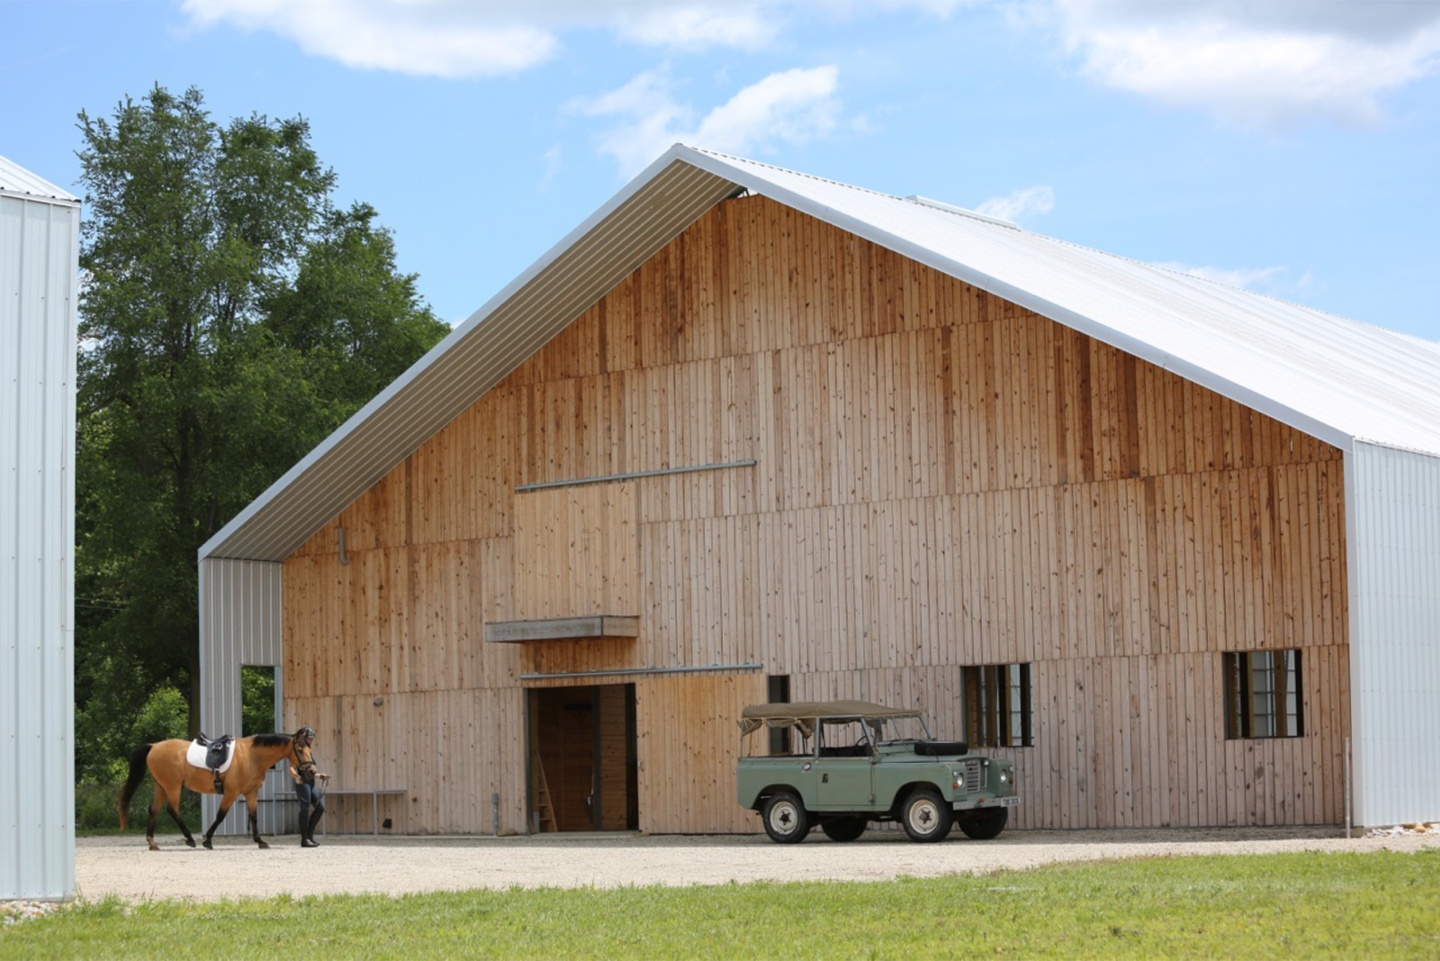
x: 890, y: 730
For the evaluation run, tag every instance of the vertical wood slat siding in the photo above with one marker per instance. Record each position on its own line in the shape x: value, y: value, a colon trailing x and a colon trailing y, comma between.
x: 941, y: 479
x: 593, y: 527
x: 611, y: 775
x: 689, y: 729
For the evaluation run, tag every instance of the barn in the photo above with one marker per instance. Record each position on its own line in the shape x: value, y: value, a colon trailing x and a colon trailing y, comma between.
x: 749, y: 435
x: 39, y: 251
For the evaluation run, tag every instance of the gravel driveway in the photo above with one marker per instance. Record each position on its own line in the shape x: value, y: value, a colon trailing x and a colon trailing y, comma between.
x: 121, y: 866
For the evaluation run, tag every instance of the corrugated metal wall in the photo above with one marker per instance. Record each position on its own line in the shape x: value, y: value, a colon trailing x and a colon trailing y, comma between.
x: 38, y: 253
x: 240, y: 625
x: 1393, y: 530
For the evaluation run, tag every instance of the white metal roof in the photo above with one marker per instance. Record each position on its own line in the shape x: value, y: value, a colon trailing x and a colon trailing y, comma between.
x: 15, y: 179
x: 1337, y: 379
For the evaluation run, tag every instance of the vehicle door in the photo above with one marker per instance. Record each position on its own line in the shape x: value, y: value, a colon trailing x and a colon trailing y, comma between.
x: 845, y: 769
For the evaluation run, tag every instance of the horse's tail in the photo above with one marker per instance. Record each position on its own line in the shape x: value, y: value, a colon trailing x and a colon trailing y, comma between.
x: 137, y: 774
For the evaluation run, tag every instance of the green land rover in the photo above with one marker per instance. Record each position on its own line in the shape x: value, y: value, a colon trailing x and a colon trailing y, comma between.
x: 843, y: 764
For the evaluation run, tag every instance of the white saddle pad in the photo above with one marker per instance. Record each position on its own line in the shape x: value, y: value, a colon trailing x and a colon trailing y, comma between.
x: 197, y: 752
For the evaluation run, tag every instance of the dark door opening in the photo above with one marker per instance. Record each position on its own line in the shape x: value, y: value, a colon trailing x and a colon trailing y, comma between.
x: 582, y: 758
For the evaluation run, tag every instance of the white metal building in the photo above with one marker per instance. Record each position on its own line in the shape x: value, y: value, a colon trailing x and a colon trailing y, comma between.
x: 1372, y: 393
x: 39, y: 250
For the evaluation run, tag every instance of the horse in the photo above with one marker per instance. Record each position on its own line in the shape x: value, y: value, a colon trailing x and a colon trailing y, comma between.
x: 253, y: 756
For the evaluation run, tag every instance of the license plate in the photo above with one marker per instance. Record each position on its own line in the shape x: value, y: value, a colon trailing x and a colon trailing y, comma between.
x: 1009, y: 802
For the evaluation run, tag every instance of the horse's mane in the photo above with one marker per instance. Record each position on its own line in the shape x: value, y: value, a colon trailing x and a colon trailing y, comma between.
x: 271, y: 740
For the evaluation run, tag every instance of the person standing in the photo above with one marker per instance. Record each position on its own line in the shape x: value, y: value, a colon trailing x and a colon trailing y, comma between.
x: 307, y: 788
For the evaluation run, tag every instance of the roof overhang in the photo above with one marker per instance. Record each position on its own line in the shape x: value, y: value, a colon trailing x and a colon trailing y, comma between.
x: 476, y: 356
x: 1332, y: 378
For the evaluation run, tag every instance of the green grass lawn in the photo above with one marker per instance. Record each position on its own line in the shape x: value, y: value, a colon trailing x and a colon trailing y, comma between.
x: 1314, y: 905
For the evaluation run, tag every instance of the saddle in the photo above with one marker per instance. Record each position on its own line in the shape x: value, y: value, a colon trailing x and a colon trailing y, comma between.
x: 212, y: 753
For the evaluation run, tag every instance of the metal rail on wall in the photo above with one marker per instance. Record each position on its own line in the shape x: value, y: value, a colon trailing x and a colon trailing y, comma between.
x: 613, y: 478
x: 644, y: 670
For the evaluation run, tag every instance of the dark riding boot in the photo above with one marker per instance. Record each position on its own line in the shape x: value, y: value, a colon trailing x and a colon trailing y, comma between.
x: 309, y: 830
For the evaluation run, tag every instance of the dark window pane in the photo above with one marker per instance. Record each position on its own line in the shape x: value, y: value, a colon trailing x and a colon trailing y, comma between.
x: 778, y: 686
x: 1263, y: 694
x: 997, y: 705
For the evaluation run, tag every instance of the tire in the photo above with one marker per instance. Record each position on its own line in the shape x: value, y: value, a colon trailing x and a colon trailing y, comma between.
x: 844, y: 829
x: 785, y: 818
x: 984, y: 824
x: 926, y: 815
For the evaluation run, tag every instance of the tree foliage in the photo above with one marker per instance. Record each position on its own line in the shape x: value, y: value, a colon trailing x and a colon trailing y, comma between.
x: 257, y: 701
x: 231, y: 317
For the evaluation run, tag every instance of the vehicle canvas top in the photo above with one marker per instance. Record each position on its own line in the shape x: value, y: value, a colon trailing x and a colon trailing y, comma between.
x: 801, y: 712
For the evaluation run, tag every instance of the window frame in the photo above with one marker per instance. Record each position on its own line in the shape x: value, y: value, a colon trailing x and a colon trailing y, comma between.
x: 1264, y: 694
x: 998, y: 705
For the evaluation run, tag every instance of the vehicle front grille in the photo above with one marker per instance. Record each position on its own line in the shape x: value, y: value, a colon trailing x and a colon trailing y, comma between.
x: 974, y: 776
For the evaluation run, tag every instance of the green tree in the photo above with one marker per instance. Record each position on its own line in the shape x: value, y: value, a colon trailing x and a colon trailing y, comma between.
x: 257, y: 701
x: 231, y: 317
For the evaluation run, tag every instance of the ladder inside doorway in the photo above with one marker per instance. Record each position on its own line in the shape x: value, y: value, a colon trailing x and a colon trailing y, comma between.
x: 544, y: 809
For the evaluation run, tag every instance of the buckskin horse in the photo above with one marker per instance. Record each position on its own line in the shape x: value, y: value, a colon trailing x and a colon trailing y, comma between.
x: 170, y: 771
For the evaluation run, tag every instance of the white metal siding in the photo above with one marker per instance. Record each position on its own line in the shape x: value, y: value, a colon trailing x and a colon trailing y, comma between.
x: 240, y: 625
x: 38, y: 253
x: 1394, y: 561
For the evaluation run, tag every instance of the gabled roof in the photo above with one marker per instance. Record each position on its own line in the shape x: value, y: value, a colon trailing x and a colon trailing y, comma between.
x: 17, y: 181
x: 1337, y: 379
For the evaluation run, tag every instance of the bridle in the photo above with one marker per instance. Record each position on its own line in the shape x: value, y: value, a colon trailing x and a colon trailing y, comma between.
x: 317, y: 784
x: 304, y: 732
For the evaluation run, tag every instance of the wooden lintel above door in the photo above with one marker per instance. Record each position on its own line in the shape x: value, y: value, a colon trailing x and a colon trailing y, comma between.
x: 562, y: 628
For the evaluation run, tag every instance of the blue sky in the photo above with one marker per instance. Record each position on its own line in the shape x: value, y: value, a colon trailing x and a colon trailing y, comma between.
x: 1290, y: 147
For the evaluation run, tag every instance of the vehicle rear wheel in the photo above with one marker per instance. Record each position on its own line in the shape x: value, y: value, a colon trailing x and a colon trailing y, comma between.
x: 983, y: 824
x: 786, y: 820
x: 844, y: 829
x: 926, y: 815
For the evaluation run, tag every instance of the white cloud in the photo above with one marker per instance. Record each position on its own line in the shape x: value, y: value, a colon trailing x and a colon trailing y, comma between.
x: 695, y: 26
x: 471, y: 38
x: 550, y: 164
x: 420, y: 37
x: 1265, y: 64
x: 1020, y: 204
x: 458, y: 38
x: 792, y: 106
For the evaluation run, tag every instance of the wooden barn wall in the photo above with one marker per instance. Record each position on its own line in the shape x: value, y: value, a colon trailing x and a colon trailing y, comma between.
x: 941, y: 479
x: 688, y: 728
x: 594, y: 528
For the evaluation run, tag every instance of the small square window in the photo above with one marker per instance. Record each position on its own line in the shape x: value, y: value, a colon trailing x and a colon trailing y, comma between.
x: 997, y: 705
x: 1263, y: 695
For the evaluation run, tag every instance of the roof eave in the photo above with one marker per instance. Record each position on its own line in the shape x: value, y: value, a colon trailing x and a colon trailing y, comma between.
x: 571, y: 276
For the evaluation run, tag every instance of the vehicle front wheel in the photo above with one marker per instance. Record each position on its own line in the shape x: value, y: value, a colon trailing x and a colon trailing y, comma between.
x: 926, y: 815
x: 844, y: 829
x: 984, y: 824
x: 786, y: 820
